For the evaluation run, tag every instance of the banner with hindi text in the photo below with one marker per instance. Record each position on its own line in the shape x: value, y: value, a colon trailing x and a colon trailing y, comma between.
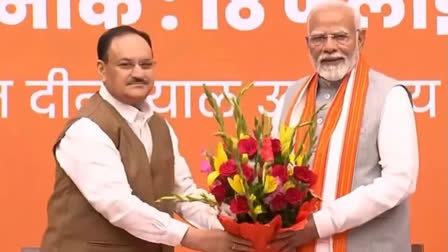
x: 48, y: 69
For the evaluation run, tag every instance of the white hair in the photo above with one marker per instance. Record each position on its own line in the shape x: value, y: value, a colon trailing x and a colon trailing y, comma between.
x: 325, y: 4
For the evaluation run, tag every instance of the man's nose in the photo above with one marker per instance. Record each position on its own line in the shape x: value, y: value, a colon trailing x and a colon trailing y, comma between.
x: 330, y: 45
x: 138, y: 71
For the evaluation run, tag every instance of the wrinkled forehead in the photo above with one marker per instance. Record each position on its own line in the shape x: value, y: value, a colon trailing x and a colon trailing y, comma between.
x: 332, y: 20
x: 331, y: 30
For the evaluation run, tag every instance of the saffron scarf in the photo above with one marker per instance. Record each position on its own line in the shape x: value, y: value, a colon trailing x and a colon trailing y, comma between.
x: 339, y: 137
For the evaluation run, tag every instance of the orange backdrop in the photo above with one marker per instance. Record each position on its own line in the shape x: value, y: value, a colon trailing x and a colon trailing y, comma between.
x: 228, y: 42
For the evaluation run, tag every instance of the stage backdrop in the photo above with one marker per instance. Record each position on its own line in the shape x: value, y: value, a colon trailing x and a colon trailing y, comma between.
x: 47, y: 69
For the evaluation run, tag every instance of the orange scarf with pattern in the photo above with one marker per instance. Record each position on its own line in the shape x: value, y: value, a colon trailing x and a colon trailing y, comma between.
x: 350, y: 144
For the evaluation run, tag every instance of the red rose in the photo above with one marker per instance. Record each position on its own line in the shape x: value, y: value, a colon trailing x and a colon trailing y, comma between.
x: 219, y: 190
x: 228, y: 168
x: 294, y: 196
x: 239, y: 205
x: 266, y: 150
x: 305, y: 175
x: 278, y: 202
x: 276, y: 146
x: 248, y: 146
x: 248, y: 172
x: 280, y: 171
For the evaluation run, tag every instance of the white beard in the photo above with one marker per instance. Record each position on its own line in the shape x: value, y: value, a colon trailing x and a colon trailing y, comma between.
x: 336, y: 72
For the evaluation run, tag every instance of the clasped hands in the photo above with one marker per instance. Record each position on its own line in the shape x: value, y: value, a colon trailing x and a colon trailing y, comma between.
x: 221, y: 241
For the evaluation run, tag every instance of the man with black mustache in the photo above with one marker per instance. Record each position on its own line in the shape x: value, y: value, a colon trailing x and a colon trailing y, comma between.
x: 115, y: 158
x: 366, y: 156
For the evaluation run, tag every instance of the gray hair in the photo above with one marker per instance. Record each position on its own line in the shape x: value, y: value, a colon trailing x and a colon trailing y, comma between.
x: 334, y: 3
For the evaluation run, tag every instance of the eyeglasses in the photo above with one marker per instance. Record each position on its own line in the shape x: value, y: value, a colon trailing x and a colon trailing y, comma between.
x: 317, y: 40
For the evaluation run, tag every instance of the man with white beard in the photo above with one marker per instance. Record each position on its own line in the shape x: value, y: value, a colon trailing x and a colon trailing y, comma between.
x: 366, y: 156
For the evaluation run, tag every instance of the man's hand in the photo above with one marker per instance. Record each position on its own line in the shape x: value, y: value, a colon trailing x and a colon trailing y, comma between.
x: 214, y: 241
x: 225, y: 210
x: 289, y: 241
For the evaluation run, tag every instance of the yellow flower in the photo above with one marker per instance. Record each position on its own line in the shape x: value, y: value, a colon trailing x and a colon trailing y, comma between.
x: 270, y: 184
x: 292, y: 158
x: 220, y: 157
x: 299, y: 160
x: 234, y: 143
x: 286, y: 133
x: 243, y: 136
x: 252, y: 197
x: 237, y: 184
x: 212, y: 177
x: 244, y: 158
x: 258, y: 210
x: 290, y: 170
x: 287, y: 185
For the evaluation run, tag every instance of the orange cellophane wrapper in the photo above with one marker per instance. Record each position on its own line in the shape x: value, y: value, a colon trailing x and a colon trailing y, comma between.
x: 262, y: 234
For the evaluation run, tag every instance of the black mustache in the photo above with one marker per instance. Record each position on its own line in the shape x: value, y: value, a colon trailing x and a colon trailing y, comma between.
x: 138, y: 81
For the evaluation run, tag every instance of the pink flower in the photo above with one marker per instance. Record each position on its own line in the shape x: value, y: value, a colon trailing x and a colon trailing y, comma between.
x: 305, y: 175
x: 294, y: 196
x: 278, y: 202
x: 276, y: 146
x: 205, y: 166
x: 239, y: 205
x: 281, y: 172
x: 228, y: 168
x: 266, y: 150
x: 248, y: 172
x: 219, y: 190
x: 248, y: 146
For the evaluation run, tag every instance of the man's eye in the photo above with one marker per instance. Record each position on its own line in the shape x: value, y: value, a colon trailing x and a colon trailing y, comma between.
x: 340, y: 37
x: 125, y: 65
x: 319, y: 38
x: 146, y: 64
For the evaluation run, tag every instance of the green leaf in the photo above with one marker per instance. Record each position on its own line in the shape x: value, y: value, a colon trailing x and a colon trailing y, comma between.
x: 267, y: 126
x: 243, y: 91
x: 203, y: 197
x: 216, y: 113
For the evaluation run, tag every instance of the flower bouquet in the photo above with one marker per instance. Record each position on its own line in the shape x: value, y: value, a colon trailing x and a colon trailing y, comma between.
x: 266, y: 181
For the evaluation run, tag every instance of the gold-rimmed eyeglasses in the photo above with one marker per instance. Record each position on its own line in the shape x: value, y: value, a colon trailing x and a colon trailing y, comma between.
x: 317, y: 40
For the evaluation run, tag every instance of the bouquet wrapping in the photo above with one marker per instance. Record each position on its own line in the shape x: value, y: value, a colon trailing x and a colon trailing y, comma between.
x: 266, y: 181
